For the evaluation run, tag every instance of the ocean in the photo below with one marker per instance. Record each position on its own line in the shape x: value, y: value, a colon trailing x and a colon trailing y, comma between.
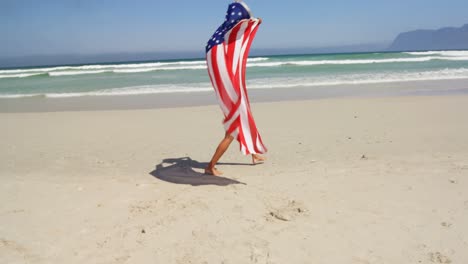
x: 267, y: 72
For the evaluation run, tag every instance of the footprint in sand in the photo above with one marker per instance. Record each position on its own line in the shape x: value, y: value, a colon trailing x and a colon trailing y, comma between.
x: 437, y: 257
x: 445, y: 224
x: 287, y: 212
x: 143, y: 206
x: 359, y: 260
x: 14, y: 249
x: 460, y: 166
x: 453, y: 180
x: 259, y: 252
x: 122, y: 259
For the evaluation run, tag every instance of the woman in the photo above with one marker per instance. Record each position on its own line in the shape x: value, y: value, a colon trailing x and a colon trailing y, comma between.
x: 226, y: 55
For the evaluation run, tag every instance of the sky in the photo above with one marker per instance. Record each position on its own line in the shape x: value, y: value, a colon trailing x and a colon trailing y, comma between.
x: 49, y: 27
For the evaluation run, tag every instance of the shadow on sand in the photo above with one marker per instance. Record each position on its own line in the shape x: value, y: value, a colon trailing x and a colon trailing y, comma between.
x: 181, y: 171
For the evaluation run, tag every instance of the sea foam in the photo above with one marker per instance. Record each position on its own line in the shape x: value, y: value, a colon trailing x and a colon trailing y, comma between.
x: 270, y: 83
x: 201, y: 65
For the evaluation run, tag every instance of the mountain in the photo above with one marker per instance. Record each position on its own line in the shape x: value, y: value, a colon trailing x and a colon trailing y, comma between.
x: 448, y: 38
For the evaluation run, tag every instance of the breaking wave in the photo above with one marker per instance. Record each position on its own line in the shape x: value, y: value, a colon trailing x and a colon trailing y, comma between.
x: 269, y: 83
x: 134, y: 68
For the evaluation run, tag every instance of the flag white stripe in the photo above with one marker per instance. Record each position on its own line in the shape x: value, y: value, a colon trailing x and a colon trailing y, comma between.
x: 225, y: 76
x: 237, y: 47
x: 213, y: 77
x: 243, y: 108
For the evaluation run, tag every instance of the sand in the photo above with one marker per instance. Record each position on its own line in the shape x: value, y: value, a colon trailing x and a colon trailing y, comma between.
x: 348, y: 180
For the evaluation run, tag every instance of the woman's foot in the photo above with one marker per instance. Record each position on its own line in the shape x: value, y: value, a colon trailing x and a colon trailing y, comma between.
x: 213, y: 171
x: 256, y: 159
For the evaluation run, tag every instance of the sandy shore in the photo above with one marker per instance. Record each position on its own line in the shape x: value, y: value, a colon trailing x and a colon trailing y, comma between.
x: 370, y: 180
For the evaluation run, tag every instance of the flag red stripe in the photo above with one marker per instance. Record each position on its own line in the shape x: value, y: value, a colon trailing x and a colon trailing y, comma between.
x: 221, y: 89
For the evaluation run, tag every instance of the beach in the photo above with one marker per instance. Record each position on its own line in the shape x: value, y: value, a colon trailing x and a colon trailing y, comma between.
x: 380, y: 178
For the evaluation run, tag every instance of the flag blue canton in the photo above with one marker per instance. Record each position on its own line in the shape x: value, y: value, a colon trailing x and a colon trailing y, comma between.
x: 236, y: 12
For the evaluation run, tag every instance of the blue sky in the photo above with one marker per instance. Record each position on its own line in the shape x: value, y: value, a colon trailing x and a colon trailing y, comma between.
x: 32, y: 27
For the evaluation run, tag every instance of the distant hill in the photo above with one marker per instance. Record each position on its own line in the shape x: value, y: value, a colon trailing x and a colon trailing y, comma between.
x: 449, y: 38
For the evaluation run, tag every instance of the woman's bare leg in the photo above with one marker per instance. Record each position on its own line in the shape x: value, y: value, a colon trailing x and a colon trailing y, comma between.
x: 222, y: 147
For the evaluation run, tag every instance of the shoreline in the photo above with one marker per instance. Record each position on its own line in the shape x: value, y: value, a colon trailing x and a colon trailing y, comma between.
x: 190, y: 99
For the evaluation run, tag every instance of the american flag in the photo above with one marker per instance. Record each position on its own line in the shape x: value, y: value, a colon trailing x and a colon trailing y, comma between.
x: 226, y: 55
